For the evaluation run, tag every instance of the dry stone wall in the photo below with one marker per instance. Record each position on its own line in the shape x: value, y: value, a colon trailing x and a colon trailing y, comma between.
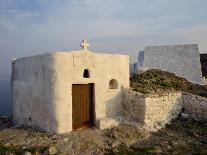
x: 195, y: 106
x: 154, y: 111
x: 161, y: 109
x: 133, y: 106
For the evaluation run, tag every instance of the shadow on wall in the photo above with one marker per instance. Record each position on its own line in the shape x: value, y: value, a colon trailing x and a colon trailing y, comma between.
x: 175, y: 110
x: 134, y: 107
x: 114, y: 104
x: 5, y: 98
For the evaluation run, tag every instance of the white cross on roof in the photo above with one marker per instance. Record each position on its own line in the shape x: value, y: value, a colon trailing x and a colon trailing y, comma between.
x: 85, y: 45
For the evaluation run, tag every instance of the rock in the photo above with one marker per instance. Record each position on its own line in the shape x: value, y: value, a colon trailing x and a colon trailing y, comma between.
x: 54, y: 137
x: 24, y: 147
x: 183, y: 115
x: 174, y: 143
x: 169, y: 147
x: 107, y: 146
x: 7, y: 144
x: 52, y: 150
x: 65, y: 139
x: 116, y: 143
x: 115, y: 150
x: 27, y: 153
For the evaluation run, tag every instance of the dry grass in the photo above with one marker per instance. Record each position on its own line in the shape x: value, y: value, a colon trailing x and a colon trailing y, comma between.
x: 158, y: 81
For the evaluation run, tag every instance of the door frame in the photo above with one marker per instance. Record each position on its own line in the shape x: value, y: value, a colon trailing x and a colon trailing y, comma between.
x: 92, y: 104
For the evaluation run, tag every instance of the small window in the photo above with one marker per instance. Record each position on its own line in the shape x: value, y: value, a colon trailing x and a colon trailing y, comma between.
x: 113, y: 84
x: 86, y: 73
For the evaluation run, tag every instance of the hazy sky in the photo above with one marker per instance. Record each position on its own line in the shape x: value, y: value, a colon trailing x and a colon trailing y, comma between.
x: 29, y: 27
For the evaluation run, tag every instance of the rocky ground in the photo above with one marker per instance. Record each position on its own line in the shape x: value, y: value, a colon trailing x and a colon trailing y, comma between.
x: 181, y: 137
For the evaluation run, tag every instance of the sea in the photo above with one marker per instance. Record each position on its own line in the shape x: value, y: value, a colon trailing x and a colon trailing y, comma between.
x: 5, y: 95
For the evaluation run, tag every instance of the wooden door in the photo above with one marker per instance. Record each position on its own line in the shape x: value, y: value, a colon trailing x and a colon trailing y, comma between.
x: 82, y: 103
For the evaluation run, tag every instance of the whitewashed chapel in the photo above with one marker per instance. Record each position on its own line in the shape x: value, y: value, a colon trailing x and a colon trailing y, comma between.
x: 63, y: 91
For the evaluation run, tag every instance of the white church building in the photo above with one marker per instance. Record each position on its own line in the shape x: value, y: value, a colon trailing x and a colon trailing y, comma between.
x: 64, y: 91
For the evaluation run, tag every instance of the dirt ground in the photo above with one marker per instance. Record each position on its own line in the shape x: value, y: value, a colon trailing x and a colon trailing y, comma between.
x: 181, y: 137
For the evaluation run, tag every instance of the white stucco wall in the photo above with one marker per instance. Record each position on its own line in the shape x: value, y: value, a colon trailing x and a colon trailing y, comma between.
x: 183, y: 60
x: 42, y: 87
x: 32, y: 97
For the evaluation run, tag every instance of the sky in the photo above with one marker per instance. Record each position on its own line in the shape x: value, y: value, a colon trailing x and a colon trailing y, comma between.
x: 30, y: 27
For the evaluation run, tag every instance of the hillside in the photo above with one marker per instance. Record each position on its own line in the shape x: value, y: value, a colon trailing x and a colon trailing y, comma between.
x: 158, y: 81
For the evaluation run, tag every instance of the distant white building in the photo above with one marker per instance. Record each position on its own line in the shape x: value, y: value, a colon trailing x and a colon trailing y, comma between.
x: 138, y: 66
x: 133, y: 68
x: 182, y: 60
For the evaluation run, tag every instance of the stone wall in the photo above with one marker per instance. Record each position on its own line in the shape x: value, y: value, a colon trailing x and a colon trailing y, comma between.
x: 161, y: 109
x: 154, y: 111
x: 195, y: 106
x: 133, y: 106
